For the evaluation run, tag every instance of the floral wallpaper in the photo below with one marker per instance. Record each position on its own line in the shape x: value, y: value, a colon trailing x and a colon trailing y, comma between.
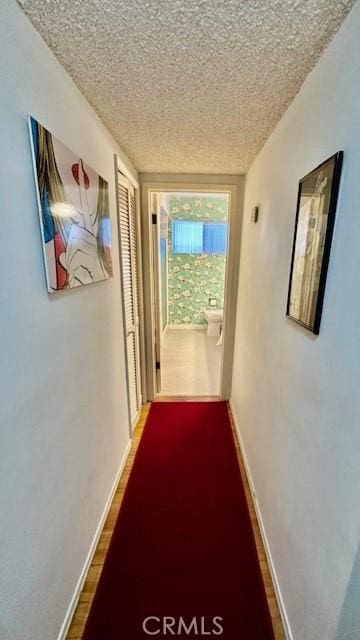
x: 193, y: 279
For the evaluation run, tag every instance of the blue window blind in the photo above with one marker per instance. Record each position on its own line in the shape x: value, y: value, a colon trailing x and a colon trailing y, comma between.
x: 187, y: 237
x: 215, y: 237
x: 199, y: 237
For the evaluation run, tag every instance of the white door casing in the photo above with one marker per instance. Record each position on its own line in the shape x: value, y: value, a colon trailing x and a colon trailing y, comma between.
x: 126, y: 200
x: 234, y: 186
x: 155, y: 217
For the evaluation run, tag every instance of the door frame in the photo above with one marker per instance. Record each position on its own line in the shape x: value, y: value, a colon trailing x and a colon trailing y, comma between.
x: 234, y: 186
x: 155, y: 241
x: 120, y: 167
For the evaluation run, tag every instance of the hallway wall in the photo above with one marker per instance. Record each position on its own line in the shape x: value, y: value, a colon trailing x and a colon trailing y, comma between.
x: 296, y: 396
x: 63, y: 410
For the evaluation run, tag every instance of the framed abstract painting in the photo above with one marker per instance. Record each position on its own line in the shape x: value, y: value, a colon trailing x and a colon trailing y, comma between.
x: 73, y: 203
x: 314, y: 225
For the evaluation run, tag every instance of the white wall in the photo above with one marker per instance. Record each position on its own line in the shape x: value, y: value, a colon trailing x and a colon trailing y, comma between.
x: 296, y: 397
x: 63, y: 410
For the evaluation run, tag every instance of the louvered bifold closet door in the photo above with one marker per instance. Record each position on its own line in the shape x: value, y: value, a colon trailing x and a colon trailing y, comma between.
x: 133, y: 250
x: 128, y: 249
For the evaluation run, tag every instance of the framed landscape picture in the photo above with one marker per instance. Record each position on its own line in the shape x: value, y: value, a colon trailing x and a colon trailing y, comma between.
x: 314, y: 224
x: 73, y: 205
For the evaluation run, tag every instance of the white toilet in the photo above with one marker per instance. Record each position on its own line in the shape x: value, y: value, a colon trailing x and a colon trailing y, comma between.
x: 214, y: 319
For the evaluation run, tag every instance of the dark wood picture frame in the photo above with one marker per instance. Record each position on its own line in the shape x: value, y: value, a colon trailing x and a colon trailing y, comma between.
x: 315, y: 213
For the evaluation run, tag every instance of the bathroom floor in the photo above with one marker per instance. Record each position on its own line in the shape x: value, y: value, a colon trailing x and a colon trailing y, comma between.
x: 190, y: 363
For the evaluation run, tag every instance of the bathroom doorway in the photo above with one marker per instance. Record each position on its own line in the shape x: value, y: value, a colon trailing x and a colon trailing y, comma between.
x: 191, y: 239
x: 188, y: 364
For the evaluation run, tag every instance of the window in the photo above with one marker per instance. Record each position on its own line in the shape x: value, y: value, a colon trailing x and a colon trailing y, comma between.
x: 187, y: 237
x: 199, y: 237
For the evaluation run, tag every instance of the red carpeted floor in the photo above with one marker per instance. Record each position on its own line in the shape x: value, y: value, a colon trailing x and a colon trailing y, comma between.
x: 183, y: 547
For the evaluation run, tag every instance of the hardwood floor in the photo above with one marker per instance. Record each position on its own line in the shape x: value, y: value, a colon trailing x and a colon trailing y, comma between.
x: 82, y: 611
x: 264, y: 566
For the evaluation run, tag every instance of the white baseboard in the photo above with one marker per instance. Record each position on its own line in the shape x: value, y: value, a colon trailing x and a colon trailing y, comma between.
x: 74, y: 600
x: 274, y: 577
x: 191, y: 327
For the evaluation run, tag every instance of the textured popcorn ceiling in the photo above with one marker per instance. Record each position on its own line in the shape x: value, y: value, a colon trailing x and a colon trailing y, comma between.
x: 188, y: 85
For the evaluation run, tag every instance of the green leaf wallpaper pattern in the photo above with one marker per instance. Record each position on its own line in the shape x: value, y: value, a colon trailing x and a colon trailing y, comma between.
x: 193, y: 279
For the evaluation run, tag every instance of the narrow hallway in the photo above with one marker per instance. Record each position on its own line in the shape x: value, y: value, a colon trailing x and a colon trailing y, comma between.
x: 180, y: 240
x: 183, y: 547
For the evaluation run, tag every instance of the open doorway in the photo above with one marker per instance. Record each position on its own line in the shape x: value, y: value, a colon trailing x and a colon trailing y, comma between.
x: 158, y: 222
x: 190, y: 257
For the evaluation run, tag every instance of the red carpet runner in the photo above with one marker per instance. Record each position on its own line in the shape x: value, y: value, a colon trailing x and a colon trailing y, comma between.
x: 182, y: 561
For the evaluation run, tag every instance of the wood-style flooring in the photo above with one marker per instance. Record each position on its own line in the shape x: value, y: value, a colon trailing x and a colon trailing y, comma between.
x: 86, y: 597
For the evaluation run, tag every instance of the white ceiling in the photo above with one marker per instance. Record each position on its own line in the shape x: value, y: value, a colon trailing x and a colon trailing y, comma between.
x: 192, y: 86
